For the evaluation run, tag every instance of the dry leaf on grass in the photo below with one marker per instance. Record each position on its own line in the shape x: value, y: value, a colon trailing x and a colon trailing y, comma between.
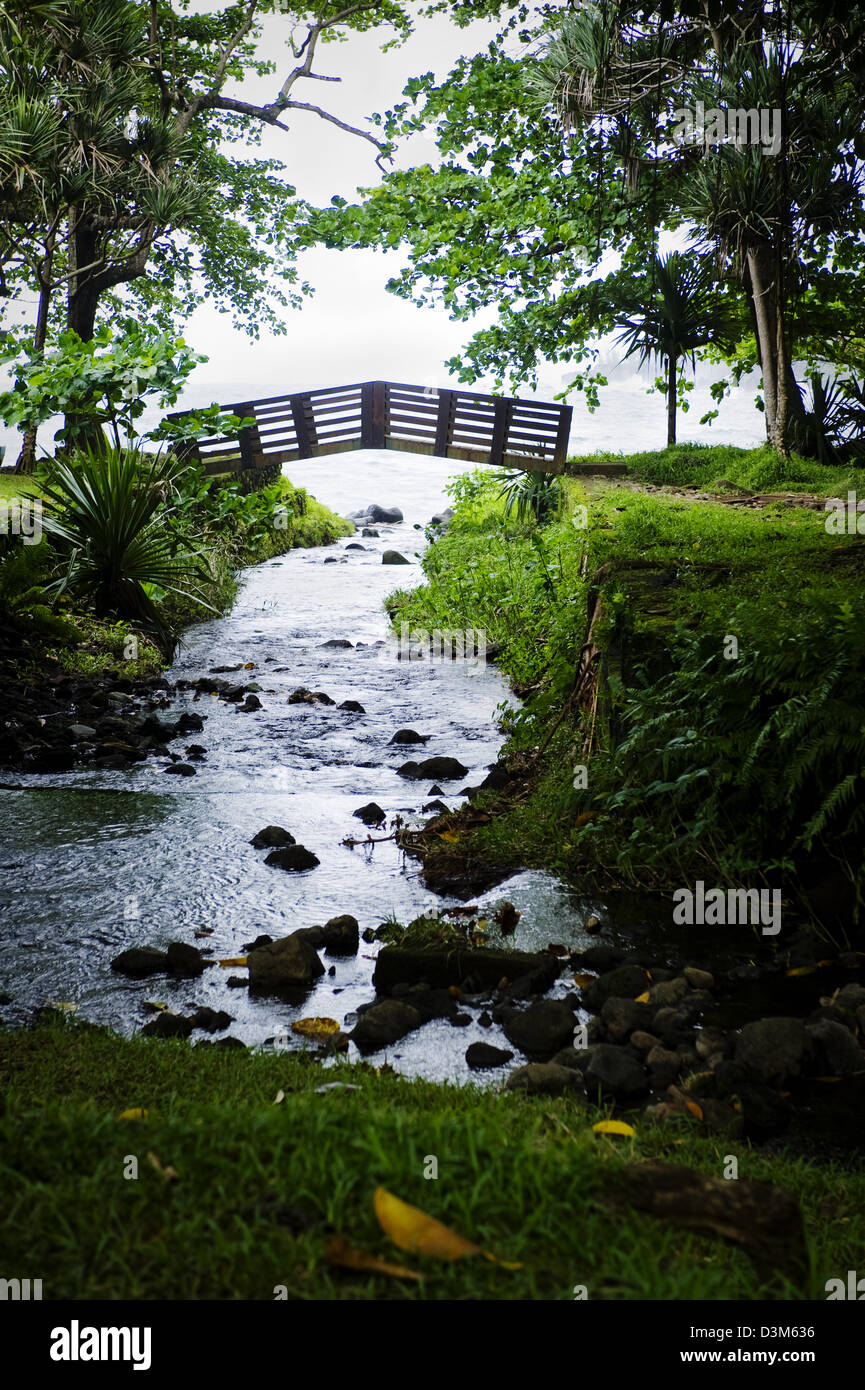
x: 614, y: 1127
x: 411, y: 1229
x: 339, y: 1252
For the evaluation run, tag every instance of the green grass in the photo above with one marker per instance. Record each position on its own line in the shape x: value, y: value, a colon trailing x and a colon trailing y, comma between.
x: 18, y: 485
x: 759, y: 470
x: 261, y: 1187
x: 698, y: 764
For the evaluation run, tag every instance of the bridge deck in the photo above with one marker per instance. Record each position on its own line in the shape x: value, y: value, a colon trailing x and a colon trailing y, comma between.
x: 506, y: 431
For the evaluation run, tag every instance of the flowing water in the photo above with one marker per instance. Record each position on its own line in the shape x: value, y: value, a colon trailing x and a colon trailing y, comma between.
x: 94, y: 861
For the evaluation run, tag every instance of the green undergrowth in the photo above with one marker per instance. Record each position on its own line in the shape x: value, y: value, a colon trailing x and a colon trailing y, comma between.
x: 261, y: 1187
x: 230, y: 532
x: 724, y: 737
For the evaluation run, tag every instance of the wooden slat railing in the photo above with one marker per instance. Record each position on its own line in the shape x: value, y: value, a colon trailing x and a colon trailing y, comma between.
x: 506, y: 431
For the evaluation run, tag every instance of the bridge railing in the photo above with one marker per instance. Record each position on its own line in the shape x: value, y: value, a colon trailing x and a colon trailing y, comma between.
x: 508, y: 431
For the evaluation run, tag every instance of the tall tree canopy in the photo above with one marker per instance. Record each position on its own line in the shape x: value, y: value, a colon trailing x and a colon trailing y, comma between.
x: 561, y: 166
x: 126, y: 182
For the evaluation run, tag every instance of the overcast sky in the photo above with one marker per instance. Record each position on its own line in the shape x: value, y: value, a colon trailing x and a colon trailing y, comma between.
x: 352, y: 329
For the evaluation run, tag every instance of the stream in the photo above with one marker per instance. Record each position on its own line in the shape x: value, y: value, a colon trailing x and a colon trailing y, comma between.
x: 96, y: 861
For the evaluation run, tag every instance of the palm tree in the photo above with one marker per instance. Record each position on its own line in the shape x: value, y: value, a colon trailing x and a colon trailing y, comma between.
x: 684, y: 313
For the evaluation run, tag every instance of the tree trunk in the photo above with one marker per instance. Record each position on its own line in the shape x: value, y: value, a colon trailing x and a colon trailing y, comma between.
x: 671, y: 400
x: 764, y: 317
x: 26, y: 461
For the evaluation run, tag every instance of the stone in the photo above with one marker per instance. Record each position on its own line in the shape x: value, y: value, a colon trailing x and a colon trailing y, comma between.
x: 140, y: 961
x: 168, y: 1025
x: 482, y: 1056
x: 393, y: 557
x: 540, y: 1030
x: 388, y: 516
x: 250, y: 705
x: 614, y: 1071
x: 370, y: 814
x: 342, y: 642
x: 446, y: 769
x: 190, y: 724
x: 709, y: 1042
x: 668, y: 993
x: 272, y: 837
x: 664, y: 1067
x: 81, y: 732
x: 302, y: 696
x: 295, y: 859
x: 369, y: 531
x: 409, y: 736
x: 670, y: 1025
x: 289, y: 962
x: 600, y: 958
x: 773, y: 1049
x: 643, y: 1041
x: 383, y: 1024
x: 542, y: 1079
x: 698, y: 979
x: 211, y: 1020
x: 625, y: 981
x: 841, y: 1053
x: 441, y: 966
x: 341, y: 936
x: 184, y: 960
x: 850, y: 998
x: 438, y: 807
x: 621, y: 1017
x: 181, y: 769
x: 353, y: 707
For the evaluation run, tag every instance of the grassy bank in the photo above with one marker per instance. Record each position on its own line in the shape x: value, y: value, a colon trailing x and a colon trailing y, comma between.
x: 260, y: 1188
x: 230, y: 532
x: 703, y: 662
x: 712, y: 466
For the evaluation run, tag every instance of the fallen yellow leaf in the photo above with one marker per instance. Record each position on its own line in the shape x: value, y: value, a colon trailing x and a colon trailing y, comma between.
x: 234, y: 960
x: 319, y: 1028
x: 642, y: 998
x: 135, y: 1114
x: 411, y: 1229
x: 450, y: 835
x: 694, y: 1108
x: 339, y: 1252
x: 614, y: 1127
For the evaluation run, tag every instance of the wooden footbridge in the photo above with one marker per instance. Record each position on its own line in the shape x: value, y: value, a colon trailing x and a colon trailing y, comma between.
x: 447, y: 423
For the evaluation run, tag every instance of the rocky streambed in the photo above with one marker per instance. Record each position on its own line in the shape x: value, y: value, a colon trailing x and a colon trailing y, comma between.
x: 215, y: 855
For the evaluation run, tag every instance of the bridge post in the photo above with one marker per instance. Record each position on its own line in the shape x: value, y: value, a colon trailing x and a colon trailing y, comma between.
x: 560, y: 453
x: 248, y: 438
x: 304, y: 426
x: 444, y: 423
x: 373, y: 427
x: 501, y: 424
